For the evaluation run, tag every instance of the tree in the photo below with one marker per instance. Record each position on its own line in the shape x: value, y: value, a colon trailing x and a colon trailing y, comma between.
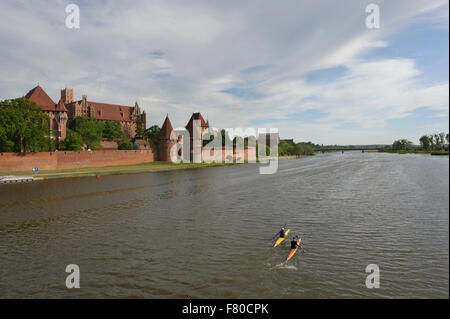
x: 73, y: 141
x: 6, y: 144
x: 90, y: 131
x: 24, y: 127
x: 226, y: 140
x: 152, y: 133
x: 431, y: 139
x: 112, y: 129
x: 304, y: 149
x: 425, y: 142
x: 401, y: 145
x: 140, y: 129
x: 442, y: 139
x: 437, y: 141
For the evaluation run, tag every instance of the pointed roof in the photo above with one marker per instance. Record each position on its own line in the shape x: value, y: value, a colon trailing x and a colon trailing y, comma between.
x: 60, y: 106
x: 196, y: 116
x: 41, y: 98
x: 167, y: 132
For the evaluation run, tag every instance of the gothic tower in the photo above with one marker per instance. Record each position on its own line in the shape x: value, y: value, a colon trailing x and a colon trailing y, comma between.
x: 196, y: 128
x: 167, y: 142
x: 67, y: 95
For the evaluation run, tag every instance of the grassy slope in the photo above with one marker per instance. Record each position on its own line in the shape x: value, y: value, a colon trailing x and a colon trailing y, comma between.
x: 117, y: 169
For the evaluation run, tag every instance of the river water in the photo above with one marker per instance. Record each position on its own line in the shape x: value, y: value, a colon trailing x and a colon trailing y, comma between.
x: 206, y: 233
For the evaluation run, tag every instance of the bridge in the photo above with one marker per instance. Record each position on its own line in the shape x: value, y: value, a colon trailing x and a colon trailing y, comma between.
x: 343, y: 149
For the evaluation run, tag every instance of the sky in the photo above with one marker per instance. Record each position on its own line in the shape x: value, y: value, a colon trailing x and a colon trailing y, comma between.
x: 311, y: 69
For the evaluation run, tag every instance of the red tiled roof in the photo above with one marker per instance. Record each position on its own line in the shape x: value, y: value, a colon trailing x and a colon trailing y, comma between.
x: 195, y: 116
x: 61, y: 107
x: 167, y: 132
x: 41, y: 99
x: 111, y: 112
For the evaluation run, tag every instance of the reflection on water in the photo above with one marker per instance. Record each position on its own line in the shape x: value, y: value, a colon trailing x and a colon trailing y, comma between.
x: 207, y: 233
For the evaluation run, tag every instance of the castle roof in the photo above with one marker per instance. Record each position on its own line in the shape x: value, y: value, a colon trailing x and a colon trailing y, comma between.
x: 190, y: 124
x: 199, y: 117
x: 167, y: 132
x: 60, y: 106
x: 41, y: 99
x: 111, y: 112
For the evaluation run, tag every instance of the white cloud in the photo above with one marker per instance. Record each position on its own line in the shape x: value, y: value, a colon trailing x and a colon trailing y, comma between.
x: 178, y: 57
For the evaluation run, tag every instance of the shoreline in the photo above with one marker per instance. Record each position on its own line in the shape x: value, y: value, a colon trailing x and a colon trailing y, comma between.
x: 115, y: 170
x: 145, y: 167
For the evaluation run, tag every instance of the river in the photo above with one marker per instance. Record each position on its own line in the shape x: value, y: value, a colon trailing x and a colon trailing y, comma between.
x: 207, y: 233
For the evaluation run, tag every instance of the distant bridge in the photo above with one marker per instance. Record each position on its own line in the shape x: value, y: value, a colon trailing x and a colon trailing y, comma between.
x: 343, y: 149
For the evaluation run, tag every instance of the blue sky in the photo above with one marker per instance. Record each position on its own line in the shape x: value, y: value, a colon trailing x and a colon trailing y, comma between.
x: 312, y: 69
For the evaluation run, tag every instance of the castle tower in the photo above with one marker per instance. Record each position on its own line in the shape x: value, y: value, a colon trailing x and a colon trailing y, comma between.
x: 67, y: 95
x: 144, y: 121
x: 167, y: 151
x: 61, y: 118
x: 196, y: 128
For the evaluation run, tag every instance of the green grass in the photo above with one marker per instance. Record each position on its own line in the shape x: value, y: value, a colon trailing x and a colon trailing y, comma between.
x: 116, y: 169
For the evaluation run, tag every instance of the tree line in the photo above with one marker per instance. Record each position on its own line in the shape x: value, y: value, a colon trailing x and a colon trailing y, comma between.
x: 90, y: 132
x: 428, y: 143
x: 24, y: 127
x: 435, y: 142
x: 290, y: 148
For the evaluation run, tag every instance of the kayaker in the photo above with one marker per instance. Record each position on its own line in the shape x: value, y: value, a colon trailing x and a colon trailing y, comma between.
x: 281, y: 233
x: 294, y: 243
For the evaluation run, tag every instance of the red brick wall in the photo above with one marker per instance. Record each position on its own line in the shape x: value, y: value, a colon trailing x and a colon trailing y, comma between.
x: 247, y: 154
x: 10, y: 162
x: 166, y: 150
x: 244, y: 154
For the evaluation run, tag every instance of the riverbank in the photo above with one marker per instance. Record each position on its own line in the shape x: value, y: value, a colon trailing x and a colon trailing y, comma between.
x: 419, y: 152
x: 116, y: 169
x: 123, y: 169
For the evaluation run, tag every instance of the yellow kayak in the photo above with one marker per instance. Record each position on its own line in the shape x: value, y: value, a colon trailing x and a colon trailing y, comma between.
x: 279, y: 240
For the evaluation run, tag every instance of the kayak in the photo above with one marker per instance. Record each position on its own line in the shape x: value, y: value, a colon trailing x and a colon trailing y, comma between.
x: 292, y: 252
x: 279, y: 240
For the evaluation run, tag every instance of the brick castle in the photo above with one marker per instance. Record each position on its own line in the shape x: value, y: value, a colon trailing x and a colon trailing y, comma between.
x: 131, y: 119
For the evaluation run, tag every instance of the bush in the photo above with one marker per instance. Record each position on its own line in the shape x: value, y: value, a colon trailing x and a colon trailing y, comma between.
x: 72, y: 142
x: 125, y: 145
